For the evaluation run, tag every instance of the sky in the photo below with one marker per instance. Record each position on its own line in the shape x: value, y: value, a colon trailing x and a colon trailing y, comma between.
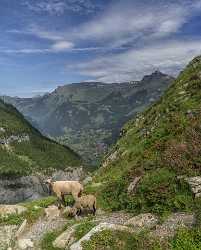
x: 47, y: 43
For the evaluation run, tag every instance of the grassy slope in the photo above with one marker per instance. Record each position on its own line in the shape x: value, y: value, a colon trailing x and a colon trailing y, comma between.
x: 164, y: 142
x: 38, y: 154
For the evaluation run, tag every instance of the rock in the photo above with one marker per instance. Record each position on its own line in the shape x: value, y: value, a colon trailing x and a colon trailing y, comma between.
x: 142, y: 221
x: 11, y: 209
x: 172, y: 224
x: 21, y: 229
x: 112, y: 157
x: 24, y: 244
x: 7, y: 234
x: 52, y: 211
x: 18, y: 189
x: 102, y: 226
x: 69, y: 211
x: 194, y: 183
x: 87, y: 180
x: 65, y: 239
x: 70, y: 173
x: 132, y: 186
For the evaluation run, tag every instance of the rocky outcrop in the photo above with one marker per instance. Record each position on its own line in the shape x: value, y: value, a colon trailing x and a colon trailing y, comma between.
x: 102, y: 226
x: 15, y: 190
x: 142, y: 221
x: 65, y: 239
x: 172, y: 224
x: 14, y: 138
x: 18, y: 189
x: 195, y: 185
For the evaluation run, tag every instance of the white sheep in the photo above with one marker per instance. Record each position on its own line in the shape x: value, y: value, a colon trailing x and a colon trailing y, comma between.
x: 85, y: 201
x: 62, y: 188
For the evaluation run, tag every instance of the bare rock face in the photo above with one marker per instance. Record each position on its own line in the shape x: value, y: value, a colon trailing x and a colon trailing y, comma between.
x: 26, y: 188
x: 65, y: 239
x: 172, y: 224
x: 102, y: 226
x: 11, y: 209
x: 142, y: 221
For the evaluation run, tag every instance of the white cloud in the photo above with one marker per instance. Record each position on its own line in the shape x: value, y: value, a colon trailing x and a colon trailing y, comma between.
x: 62, y: 46
x: 169, y: 57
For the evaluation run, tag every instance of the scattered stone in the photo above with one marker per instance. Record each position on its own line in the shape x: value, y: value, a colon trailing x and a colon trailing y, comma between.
x: 102, y: 226
x: 21, y: 229
x: 172, y: 224
x: 142, y: 221
x: 133, y: 185
x: 65, y: 239
x: 7, y: 234
x: 24, y: 244
x: 52, y: 211
x: 11, y: 209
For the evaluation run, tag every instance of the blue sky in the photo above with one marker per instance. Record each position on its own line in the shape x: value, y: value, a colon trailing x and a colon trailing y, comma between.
x: 46, y: 43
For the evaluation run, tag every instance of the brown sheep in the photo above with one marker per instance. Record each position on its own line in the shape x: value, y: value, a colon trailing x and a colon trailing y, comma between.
x: 85, y: 201
x: 62, y: 188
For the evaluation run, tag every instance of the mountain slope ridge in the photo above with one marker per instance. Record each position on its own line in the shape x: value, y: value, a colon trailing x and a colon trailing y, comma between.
x: 23, y: 150
x: 88, y: 116
x: 162, y: 143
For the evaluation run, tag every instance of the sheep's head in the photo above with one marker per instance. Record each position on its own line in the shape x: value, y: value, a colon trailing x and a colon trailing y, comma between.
x: 48, y: 182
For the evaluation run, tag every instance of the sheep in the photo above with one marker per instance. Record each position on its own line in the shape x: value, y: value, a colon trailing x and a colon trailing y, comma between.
x: 62, y: 188
x: 85, y: 201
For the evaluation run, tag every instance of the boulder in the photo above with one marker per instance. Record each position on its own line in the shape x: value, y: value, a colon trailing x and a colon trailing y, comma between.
x: 142, y: 221
x: 24, y: 244
x: 65, y: 239
x: 173, y: 223
x: 194, y: 183
x: 52, y: 211
x: 11, y: 209
x: 102, y: 226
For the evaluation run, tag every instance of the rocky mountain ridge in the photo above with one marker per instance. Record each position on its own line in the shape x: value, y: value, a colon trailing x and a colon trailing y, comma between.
x: 88, y: 116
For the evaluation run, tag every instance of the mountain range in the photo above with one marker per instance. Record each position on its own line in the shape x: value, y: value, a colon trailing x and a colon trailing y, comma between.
x: 88, y: 116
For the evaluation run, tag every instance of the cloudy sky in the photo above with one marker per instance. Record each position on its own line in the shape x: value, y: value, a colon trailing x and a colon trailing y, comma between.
x: 46, y: 43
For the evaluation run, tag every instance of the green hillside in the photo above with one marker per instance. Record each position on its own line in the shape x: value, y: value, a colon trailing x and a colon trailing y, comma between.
x: 24, y: 150
x: 164, y: 142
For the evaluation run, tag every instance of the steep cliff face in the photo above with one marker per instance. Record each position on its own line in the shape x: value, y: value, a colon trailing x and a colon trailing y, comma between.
x: 88, y: 116
x: 161, y: 144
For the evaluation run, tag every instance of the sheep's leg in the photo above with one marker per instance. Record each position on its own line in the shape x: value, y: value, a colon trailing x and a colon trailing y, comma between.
x: 63, y: 199
x: 59, y: 200
x: 94, y: 209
